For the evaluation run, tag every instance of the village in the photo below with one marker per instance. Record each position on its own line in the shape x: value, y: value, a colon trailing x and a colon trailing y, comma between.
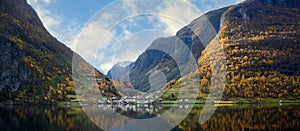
x: 131, y: 100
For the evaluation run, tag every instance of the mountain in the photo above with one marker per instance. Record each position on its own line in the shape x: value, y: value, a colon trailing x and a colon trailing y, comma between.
x: 120, y: 71
x: 261, y: 42
x: 152, y: 60
x: 35, y: 67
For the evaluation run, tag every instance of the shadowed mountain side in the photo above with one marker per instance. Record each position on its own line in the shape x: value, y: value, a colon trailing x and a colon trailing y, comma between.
x: 35, y: 67
x: 196, y: 36
x: 261, y: 43
x: 260, y: 39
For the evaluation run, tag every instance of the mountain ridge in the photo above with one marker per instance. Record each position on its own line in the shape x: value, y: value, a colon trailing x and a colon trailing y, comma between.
x: 155, y: 60
x: 120, y: 71
x: 35, y: 66
x: 260, y: 42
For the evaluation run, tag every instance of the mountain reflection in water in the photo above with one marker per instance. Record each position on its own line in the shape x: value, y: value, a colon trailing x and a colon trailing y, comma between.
x: 236, y: 117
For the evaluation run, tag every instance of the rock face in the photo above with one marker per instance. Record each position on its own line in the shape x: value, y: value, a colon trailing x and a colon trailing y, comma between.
x: 195, y: 36
x: 34, y: 65
x: 14, y: 72
x: 151, y: 61
x: 281, y: 3
x: 246, y: 14
x: 260, y: 39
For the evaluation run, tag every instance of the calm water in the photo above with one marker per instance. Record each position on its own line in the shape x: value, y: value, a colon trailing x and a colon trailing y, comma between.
x: 255, y: 117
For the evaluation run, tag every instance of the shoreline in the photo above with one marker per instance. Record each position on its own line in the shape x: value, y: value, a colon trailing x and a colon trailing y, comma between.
x: 169, y: 102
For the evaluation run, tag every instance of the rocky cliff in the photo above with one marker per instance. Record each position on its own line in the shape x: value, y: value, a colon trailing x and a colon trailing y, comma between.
x: 196, y: 36
x: 35, y: 67
x: 260, y: 39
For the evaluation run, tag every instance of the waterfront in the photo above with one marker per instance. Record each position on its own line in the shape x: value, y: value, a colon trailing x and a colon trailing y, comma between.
x: 226, y: 117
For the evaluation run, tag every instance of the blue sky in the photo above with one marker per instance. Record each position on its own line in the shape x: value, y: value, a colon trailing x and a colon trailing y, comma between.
x: 70, y: 20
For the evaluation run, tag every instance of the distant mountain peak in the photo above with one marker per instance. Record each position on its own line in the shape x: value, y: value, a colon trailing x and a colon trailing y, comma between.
x: 120, y: 71
x: 124, y: 63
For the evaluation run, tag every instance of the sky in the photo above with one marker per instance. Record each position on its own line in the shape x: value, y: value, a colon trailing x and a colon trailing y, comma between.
x: 105, y: 32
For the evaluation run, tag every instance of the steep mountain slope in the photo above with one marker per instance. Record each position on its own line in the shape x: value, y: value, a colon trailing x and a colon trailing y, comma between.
x: 152, y: 60
x: 261, y: 41
x: 35, y: 67
x: 120, y: 71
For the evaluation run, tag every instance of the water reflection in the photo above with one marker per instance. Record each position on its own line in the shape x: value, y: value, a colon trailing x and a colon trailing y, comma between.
x: 44, y: 118
x: 247, y: 117
x: 241, y: 117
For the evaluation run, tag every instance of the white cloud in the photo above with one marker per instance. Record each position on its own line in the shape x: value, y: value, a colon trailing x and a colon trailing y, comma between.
x: 70, y: 33
x: 178, y: 13
x: 63, y: 29
x: 47, y: 1
x: 49, y: 20
x: 37, y: 1
x: 131, y: 48
x: 104, y: 35
x: 168, y: 16
x: 89, y: 39
x: 100, y: 34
